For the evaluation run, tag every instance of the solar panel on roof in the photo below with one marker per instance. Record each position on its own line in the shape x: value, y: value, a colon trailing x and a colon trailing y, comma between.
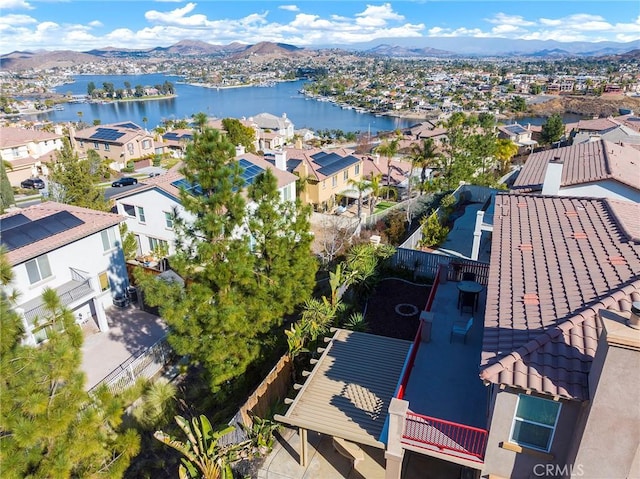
x: 192, y: 188
x: 335, y: 166
x: 13, y: 221
x: 249, y: 171
x: 106, y: 134
x: 516, y: 129
x: 328, y: 159
x: 129, y: 125
x: 33, y: 231
x: 170, y: 136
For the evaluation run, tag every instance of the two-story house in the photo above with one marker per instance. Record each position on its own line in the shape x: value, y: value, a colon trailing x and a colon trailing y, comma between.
x: 28, y: 152
x: 152, y: 206
x: 74, y: 251
x: 326, y: 174
x: 281, y: 126
x: 118, y: 142
x: 519, y: 135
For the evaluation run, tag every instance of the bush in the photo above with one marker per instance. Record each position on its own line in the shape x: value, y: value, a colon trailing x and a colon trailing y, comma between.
x: 433, y: 232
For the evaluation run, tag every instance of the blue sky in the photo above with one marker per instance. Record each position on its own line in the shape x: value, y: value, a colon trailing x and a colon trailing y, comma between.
x: 83, y: 25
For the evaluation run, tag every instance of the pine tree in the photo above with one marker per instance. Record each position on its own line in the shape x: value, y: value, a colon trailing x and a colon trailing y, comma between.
x: 6, y: 191
x: 72, y: 181
x: 49, y: 425
x: 552, y: 130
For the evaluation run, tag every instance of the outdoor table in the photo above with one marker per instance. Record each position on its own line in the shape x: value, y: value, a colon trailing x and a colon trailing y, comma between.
x: 470, y: 287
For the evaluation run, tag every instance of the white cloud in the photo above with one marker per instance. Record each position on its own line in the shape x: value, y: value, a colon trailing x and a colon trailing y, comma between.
x: 95, y: 23
x: 290, y: 8
x: 15, y: 5
x: 504, y: 19
x: 15, y: 19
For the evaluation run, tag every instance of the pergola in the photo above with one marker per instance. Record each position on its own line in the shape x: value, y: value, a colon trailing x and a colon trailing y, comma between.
x: 347, y: 395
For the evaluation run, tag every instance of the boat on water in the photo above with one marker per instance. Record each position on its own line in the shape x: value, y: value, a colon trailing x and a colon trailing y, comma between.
x: 58, y: 108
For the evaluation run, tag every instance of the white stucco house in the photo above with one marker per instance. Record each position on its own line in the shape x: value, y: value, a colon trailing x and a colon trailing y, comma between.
x: 28, y: 152
x: 75, y: 251
x: 150, y: 208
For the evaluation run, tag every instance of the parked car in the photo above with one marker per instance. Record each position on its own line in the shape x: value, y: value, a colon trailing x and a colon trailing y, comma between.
x: 124, y: 181
x: 32, y: 183
x: 153, y: 174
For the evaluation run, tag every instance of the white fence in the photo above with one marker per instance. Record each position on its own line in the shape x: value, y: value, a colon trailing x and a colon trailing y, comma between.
x: 145, y: 365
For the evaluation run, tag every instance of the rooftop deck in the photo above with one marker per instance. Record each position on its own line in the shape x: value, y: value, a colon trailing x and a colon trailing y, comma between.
x: 444, y: 382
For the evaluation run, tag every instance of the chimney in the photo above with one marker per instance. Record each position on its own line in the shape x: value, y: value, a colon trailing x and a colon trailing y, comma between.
x: 377, y: 160
x: 553, y: 177
x: 298, y: 144
x: 281, y: 160
x: 240, y: 150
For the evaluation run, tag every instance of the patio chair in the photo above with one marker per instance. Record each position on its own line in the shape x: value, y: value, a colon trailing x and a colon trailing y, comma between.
x: 467, y: 276
x: 461, y: 328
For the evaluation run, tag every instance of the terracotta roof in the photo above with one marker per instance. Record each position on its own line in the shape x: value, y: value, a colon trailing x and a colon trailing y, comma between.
x: 598, y: 124
x: 11, y: 137
x: 556, y: 261
x: 583, y: 163
x: 306, y: 159
x: 94, y: 221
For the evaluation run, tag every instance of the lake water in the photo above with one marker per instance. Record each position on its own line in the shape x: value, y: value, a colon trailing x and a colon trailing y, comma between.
x: 223, y: 103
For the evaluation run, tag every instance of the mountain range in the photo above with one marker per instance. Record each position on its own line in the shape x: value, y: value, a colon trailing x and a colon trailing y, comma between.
x: 399, y: 48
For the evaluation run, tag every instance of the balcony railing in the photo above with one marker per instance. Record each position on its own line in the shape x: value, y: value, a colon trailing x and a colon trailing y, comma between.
x: 448, y: 437
x: 68, y: 293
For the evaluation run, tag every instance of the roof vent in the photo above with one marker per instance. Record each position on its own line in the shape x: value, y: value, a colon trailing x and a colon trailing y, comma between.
x: 526, y: 247
x: 579, y: 235
x: 571, y: 213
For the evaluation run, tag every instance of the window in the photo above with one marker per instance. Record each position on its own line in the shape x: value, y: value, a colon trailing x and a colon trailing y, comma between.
x: 168, y: 219
x: 346, y: 175
x: 324, y: 185
x: 534, y: 423
x: 15, y: 152
x: 38, y: 269
x: 130, y: 148
x: 129, y: 210
x: 96, y: 145
x: 357, y: 169
x: 141, y: 214
x: 286, y: 193
x: 334, y: 181
x: 82, y: 144
x: 146, y: 144
x: 155, y: 244
x: 103, y: 279
x: 108, y: 239
x: 106, y: 147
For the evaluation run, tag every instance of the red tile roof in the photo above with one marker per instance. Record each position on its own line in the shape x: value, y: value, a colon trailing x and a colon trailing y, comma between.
x: 12, y: 137
x: 94, y: 221
x: 583, y: 163
x: 584, y: 256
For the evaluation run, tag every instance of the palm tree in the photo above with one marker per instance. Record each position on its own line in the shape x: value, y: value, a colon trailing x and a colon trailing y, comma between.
x: 388, y: 148
x: 377, y: 191
x: 505, y: 150
x: 360, y: 186
x: 423, y: 155
x: 145, y: 120
x: 203, y: 456
x: 200, y: 119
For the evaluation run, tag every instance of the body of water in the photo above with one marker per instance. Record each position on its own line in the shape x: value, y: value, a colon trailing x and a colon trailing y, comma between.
x: 224, y: 103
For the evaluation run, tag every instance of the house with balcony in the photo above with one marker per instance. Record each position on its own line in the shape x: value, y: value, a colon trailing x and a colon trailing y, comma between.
x: 74, y: 251
x: 150, y: 209
x: 118, y: 142
x: 28, y: 152
x: 175, y: 142
x: 533, y: 375
x: 269, y: 123
x: 326, y: 174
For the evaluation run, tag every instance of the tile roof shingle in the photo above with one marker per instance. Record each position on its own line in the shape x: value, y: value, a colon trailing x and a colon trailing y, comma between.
x: 541, y: 326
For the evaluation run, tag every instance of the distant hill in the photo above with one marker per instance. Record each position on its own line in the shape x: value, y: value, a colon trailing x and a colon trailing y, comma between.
x: 270, y: 50
x: 404, y: 52
x: 399, y: 48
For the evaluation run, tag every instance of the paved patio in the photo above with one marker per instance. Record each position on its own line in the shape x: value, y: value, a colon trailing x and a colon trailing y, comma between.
x: 131, y: 331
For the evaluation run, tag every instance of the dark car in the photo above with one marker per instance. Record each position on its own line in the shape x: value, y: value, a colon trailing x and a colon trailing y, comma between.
x: 32, y: 183
x: 124, y: 181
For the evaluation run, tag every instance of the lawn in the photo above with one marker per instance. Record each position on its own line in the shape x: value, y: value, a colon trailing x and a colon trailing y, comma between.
x: 383, y: 205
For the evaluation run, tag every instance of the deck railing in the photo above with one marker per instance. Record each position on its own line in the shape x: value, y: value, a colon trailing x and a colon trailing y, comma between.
x: 144, y: 365
x: 448, y: 437
x: 416, y: 341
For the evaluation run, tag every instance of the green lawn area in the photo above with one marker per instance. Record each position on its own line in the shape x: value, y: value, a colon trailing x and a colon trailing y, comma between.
x: 383, y: 205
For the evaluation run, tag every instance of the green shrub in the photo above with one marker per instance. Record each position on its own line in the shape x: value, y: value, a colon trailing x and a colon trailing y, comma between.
x: 433, y: 231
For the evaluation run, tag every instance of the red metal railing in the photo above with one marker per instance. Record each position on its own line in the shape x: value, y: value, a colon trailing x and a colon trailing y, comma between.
x: 416, y: 341
x: 449, y: 437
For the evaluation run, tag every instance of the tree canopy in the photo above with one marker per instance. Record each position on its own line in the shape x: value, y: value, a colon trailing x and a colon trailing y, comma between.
x: 552, y: 130
x: 49, y: 425
x: 244, y: 266
x: 240, y: 134
x: 72, y: 180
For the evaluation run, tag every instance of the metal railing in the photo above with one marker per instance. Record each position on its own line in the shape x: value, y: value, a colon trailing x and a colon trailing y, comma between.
x: 144, y: 365
x: 449, y: 437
